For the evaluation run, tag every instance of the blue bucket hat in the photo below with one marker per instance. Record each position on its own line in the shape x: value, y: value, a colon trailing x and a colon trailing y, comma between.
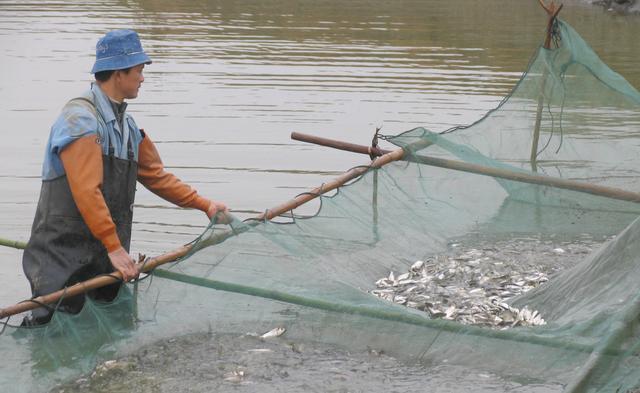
x: 119, y: 49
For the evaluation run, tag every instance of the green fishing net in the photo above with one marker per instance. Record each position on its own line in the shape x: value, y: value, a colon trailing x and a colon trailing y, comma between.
x: 317, y: 275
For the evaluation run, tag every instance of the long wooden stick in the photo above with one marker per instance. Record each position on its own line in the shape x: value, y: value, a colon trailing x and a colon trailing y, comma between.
x: 13, y: 244
x: 172, y: 256
x: 610, y: 192
x: 552, y: 11
x: 382, y: 160
x: 90, y: 284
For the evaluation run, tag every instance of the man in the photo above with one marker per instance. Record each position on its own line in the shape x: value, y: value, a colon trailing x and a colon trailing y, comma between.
x: 94, y: 156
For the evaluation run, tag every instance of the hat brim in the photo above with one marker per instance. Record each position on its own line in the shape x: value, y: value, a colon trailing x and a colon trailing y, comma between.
x: 120, y: 62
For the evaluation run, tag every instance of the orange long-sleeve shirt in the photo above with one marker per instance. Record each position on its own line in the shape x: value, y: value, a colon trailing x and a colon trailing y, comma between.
x: 82, y: 161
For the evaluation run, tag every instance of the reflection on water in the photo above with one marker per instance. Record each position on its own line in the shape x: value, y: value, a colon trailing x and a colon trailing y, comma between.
x: 231, y: 80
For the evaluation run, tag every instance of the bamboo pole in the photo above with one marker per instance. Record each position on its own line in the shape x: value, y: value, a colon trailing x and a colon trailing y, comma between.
x: 609, y: 192
x: 536, y: 128
x: 552, y: 11
x: 13, y: 244
x: 146, y: 266
x: 382, y: 160
x: 90, y: 284
x: 374, y: 205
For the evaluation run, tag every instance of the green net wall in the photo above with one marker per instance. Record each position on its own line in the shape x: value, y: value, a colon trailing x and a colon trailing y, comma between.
x: 326, y: 278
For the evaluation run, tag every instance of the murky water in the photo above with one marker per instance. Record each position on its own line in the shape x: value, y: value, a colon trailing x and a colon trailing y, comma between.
x: 249, y: 364
x: 230, y: 81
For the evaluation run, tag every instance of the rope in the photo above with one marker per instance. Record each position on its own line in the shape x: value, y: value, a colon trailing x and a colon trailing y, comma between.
x: 555, y: 33
x: 564, y: 97
x: 5, y: 324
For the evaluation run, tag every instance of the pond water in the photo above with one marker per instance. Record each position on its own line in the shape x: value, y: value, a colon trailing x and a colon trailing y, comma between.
x: 230, y: 81
x: 249, y: 364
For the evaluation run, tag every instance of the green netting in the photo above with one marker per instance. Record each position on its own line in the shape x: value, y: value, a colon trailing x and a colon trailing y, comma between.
x: 314, y: 275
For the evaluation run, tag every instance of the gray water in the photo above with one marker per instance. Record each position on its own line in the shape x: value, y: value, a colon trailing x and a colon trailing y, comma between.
x: 230, y: 81
x: 249, y: 364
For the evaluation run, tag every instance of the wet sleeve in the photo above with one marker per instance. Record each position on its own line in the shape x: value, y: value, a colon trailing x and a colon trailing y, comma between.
x: 152, y: 175
x: 82, y: 161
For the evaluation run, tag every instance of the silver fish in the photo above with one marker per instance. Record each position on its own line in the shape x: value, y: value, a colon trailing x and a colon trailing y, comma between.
x: 276, y: 332
x: 235, y: 376
x: 474, y: 285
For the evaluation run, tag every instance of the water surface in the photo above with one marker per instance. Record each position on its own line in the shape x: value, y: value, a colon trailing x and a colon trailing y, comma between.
x: 230, y: 81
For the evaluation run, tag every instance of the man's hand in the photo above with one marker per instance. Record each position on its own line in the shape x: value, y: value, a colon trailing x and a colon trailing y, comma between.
x: 123, y: 263
x: 218, y: 207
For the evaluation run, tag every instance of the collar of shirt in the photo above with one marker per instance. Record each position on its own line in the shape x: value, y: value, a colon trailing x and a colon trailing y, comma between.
x: 105, y: 107
x: 103, y: 103
x: 118, y: 109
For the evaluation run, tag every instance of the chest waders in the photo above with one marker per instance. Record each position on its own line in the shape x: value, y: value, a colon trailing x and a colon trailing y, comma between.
x: 62, y: 251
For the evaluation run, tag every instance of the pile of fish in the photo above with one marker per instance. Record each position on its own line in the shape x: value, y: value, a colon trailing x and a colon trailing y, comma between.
x: 472, y: 287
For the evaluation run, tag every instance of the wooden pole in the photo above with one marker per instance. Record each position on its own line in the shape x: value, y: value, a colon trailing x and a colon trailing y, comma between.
x: 90, y: 284
x: 536, y: 128
x: 374, y: 196
x: 146, y: 266
x: 524, y: 177
x: 13, y: 243
x: 552, y: 11
x: 384, y: 159
x: 374, y: 205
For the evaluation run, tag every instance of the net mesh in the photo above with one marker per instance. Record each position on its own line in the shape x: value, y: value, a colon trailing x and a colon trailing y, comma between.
x: 317, y: 276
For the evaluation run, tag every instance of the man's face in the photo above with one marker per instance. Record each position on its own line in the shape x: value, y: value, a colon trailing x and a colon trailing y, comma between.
x: 128, y: 83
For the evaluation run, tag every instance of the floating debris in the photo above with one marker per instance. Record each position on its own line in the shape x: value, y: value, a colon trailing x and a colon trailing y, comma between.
x: 473, y: 286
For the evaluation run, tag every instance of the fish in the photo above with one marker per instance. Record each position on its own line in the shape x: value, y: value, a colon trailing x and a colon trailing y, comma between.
x: 474, y: 285
x: 276, y: 332
x: 235, y: 376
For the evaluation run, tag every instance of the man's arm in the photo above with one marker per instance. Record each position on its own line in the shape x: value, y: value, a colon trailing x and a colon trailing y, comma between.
x: 151, y: 174
x: 82, y: 161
